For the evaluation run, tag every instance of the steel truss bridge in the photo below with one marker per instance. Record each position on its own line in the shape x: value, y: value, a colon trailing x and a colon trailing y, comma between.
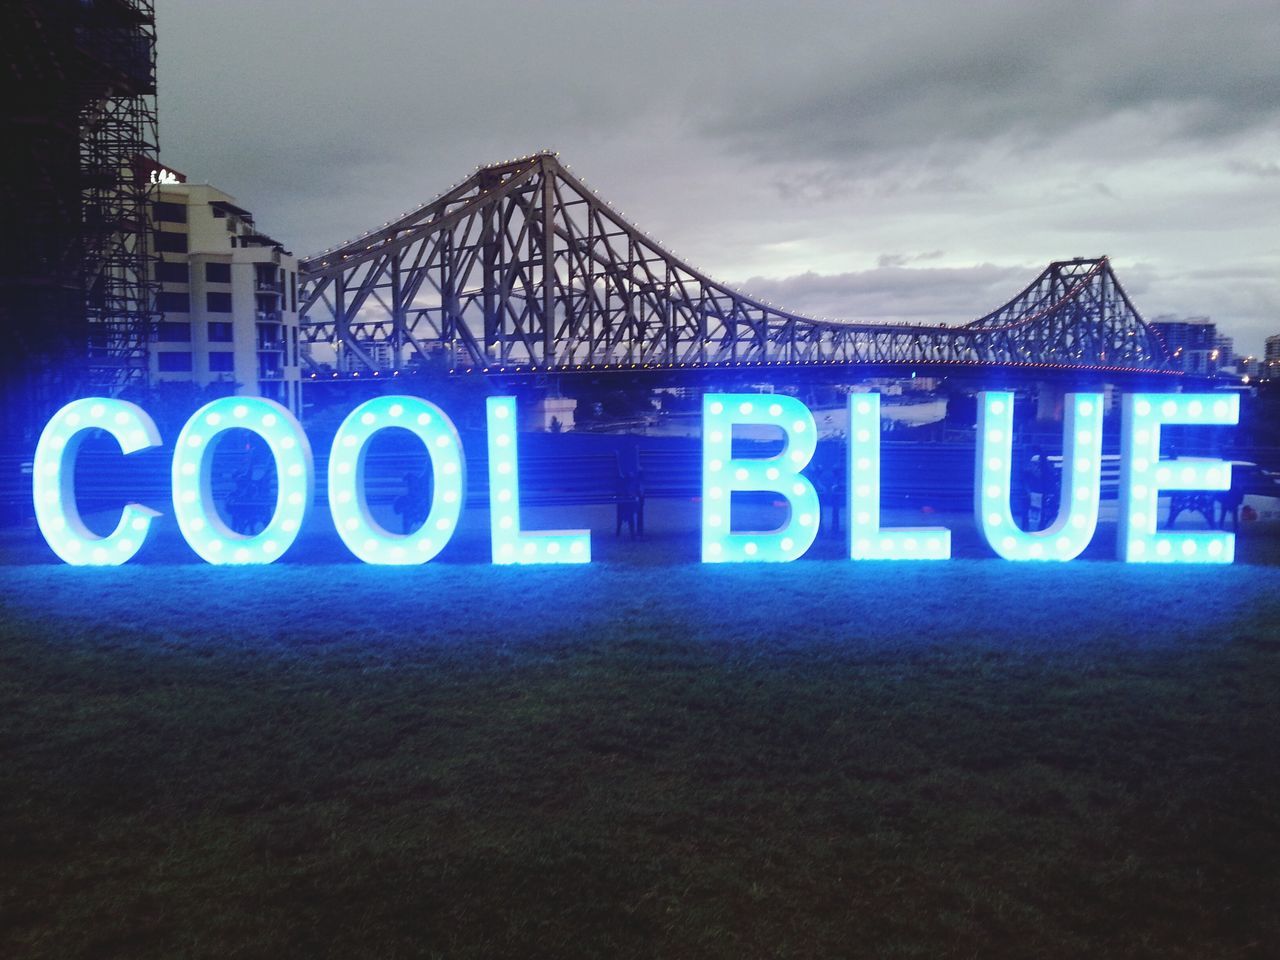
x: 521, y: 268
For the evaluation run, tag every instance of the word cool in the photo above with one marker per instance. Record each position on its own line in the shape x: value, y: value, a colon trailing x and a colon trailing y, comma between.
x: 1143, y: 476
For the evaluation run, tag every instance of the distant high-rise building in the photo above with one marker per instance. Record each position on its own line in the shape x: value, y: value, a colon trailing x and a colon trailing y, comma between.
x: 1226, y: 352
x: 379, y: 352
x: 229, y: 294
x: 1271, y: 358
x: 1249, y: 367
x: 1193, y: 343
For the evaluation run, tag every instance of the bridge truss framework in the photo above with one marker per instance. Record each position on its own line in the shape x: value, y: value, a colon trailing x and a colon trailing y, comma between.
x: 521, y: 268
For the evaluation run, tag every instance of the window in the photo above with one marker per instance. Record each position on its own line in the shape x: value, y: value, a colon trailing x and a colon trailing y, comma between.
x: 220, y: 332
x: 172, y: 272
x: 218, y: 302
x: 167, y: 332
x: 221, y: 361
x: 170, y: 212
x: 217, y: 272
x: 167, y: 242
x: 293, y: 290
x: 175, y: 362
x: 170, y: 301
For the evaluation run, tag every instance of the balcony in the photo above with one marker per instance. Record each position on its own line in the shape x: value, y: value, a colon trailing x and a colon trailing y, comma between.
x: 272, y: 346
x: 267, y: 316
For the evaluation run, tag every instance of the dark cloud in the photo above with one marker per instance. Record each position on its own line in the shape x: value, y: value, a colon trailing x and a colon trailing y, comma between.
x: 1255, y: 168
x: 891, y: 293
x: 876, y: 80
x: 902, y: 259
x: 824, y: 181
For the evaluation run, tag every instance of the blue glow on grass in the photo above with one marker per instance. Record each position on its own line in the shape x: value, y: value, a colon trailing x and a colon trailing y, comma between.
x: 53, y: 481
x: 193, y: 503
x: 722, y: 476
x: 349, y: 504
x: 1077, y: 518
x: 509, y: 543
x: 867, y: 541
x: 1143, y: 475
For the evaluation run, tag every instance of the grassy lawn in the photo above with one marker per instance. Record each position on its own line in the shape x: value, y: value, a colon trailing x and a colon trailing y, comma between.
x: 646, y: 757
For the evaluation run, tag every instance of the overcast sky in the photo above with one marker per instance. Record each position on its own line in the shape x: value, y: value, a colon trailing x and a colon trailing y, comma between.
x: 865, y: 160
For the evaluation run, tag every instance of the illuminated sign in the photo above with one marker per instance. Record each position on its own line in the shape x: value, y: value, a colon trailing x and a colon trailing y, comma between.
x: 347, y: 501
x: 147, y: 171
x: 1143, y: 476
x: 722, y: 476
x: 1077, y: 519
x: 510, y: 543
x: 867, y: 540
x: 193, y: 506
x: 53, y: 481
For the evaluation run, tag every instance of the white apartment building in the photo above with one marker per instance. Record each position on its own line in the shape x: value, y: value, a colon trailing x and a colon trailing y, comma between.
x: 229, y: 295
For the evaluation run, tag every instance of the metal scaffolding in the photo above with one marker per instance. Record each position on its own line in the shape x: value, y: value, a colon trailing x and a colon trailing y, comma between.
x: 77, y: 294
x: 117, y: 137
